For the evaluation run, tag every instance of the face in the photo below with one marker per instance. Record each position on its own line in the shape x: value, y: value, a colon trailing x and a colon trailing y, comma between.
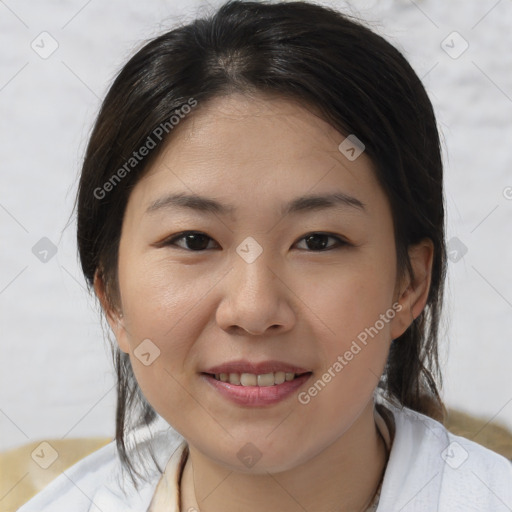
x: 284, y: 263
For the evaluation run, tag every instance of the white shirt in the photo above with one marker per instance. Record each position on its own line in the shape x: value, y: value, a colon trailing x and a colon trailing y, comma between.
x: 429, y: 470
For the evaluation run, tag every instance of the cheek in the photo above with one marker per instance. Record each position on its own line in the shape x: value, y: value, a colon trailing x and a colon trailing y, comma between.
x: 354, y: 306
x: 171, y: 304
x: 169, y: 382
x: 350, y: 299
x: 160, y: 311
x: 158, y: 298
x: 353, y: 338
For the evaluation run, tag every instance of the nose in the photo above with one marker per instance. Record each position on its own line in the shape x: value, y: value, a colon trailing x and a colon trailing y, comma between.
x: 255, y: 299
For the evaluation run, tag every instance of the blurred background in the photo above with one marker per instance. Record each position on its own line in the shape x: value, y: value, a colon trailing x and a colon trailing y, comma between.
x: 57, y: 61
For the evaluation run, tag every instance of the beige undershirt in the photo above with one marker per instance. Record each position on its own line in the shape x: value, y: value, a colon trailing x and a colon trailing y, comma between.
x: 167, y: 493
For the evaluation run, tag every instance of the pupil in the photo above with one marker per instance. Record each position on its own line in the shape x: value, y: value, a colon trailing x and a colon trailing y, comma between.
x: 197, y: 242
x: 310, y: 240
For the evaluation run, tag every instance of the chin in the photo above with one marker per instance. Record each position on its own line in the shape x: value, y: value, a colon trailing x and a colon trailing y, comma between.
x: 250, y: 459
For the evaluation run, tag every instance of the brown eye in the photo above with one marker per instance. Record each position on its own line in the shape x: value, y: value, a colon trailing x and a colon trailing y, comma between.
x: 318, y: 242
x: 191, y: 240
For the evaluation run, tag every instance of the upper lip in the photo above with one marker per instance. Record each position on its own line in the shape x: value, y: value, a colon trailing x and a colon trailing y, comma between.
x: 242, y: 366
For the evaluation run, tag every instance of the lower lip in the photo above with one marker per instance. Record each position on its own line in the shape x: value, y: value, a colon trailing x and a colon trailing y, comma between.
x: 257, y: 396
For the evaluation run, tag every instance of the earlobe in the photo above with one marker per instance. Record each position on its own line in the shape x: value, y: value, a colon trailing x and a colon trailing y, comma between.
x: 414, y: 294
x: 113, y: 315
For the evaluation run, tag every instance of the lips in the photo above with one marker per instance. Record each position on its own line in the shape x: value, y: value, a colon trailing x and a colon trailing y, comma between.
x: 256, y: 384
x: 256, y: 396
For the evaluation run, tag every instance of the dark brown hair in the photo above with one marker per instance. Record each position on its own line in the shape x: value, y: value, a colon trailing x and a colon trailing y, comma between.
x: 354, y: 79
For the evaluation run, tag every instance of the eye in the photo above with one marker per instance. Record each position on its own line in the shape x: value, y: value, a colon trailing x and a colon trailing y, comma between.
x: 197, y: 241
x: 192, y: 240
x: 318, y: 242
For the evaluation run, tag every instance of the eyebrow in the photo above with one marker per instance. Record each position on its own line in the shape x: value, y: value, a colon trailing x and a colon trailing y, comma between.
x: 300, y: 204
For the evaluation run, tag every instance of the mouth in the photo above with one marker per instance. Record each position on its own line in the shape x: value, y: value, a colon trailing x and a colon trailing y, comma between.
x: 253, y: 379
x: 256, y: 384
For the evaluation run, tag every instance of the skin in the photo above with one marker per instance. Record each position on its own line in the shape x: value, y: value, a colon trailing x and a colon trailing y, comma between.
x: 293, y: 304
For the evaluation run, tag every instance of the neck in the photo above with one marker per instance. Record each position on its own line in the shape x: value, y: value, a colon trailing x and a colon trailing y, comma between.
x: 343, y: 477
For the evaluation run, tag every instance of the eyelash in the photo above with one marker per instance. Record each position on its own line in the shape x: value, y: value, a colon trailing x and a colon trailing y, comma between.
x: 340, y: 242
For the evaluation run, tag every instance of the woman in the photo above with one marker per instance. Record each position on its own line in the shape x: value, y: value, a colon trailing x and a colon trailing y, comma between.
x: 261, y: 216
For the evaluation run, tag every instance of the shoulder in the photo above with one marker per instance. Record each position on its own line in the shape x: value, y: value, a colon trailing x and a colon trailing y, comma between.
x: 431, y: 467
x: 99, y: 481
x: 86, y: 474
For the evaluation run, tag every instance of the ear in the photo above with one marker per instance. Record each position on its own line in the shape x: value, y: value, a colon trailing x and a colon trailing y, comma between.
x: 413, y: 293
x: 113, y: 315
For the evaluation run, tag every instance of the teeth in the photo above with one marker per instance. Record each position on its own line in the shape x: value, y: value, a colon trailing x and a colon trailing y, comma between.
x: 234, y: 378
x: 248, y: 379
x: 251, y: 379
x: 279, y: 377
x: 267, y: 379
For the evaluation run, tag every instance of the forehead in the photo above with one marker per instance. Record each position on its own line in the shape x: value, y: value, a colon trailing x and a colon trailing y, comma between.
x: 239, y: 126
x: 267, y: 148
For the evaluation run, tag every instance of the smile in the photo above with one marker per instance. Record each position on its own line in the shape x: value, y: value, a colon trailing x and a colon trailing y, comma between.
x: 252, y: 379
x: 256, y: 390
